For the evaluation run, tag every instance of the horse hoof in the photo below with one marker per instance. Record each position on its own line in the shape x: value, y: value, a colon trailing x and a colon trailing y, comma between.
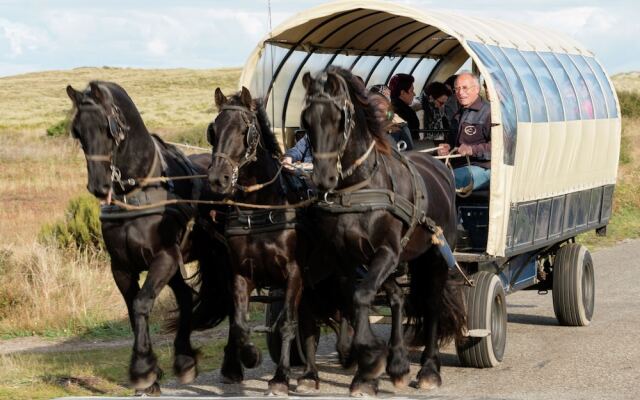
x: 153, y: 390
x: 145, y: 382
x: 363, y: 389
x: 277, y: 389
x: 429, y: 382
x: 400, y: 382
x: 188, y: 376
x: 250, y: 356
x: 307, y: 386
x: 231, y: 380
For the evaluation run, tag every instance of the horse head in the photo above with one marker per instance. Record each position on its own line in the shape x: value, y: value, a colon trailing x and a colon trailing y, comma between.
x: 235, y: 136
x: 100, y: 127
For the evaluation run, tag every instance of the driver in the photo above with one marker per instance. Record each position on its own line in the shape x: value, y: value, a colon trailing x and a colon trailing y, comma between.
x: 471, y: 134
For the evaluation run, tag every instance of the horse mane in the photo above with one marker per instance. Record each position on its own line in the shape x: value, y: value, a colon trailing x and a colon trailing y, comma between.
x: 268, y: 137
x: 364, y: 110
x: 121, y: 98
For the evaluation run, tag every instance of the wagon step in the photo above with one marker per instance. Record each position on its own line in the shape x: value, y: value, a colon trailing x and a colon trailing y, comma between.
x: 479, y: 333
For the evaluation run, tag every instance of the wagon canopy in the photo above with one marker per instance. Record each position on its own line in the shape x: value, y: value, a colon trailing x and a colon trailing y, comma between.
x: 556, y: 137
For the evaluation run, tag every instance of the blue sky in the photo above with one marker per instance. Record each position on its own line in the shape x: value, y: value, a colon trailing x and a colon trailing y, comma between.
x: 63, y: 34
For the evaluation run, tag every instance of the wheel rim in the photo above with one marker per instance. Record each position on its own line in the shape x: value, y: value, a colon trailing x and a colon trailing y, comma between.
x: 498, y: 323
x: 588, y: 292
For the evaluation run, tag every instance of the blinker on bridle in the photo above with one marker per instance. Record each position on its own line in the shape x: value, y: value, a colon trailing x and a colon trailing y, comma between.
x: 252, y: 138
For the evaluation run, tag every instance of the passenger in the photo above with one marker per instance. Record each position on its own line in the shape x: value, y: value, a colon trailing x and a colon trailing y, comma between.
x: 382, y: 89
x: 434, y: 99
x: 402, y: 98
x: 471, y: 134
x: 396, y: 126
x: 451, y: 106
x: 299, y: 153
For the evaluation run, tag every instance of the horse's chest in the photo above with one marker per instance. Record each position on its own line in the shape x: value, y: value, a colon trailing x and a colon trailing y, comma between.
x: 263, y: 258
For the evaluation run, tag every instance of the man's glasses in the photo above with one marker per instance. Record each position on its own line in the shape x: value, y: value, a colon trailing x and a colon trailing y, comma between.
x: 465, y: 89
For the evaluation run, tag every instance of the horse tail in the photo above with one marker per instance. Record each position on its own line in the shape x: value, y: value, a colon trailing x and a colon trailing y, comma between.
x: 434, y: 291
x: 212, y: 301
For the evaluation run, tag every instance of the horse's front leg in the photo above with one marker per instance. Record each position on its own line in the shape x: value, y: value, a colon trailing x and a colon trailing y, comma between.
x: 239, y: 331
x: 127, y: 282
x: 398, y: 360
x: 371, y: 352
x: 185, y: 364
x: 144, y: 370
x: 279, y: 384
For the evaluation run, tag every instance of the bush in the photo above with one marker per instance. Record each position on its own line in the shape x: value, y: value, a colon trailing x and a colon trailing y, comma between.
x: 80, y: 227
x: 60, y: 128
x: 629, y: 104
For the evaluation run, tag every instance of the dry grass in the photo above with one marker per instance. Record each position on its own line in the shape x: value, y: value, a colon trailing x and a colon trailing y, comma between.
x: 44, y: 288
x: 628, y: 81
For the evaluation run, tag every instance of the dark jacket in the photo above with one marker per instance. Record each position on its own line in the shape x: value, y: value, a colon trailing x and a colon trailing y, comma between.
x: 406, y: 113
x: 472, y: 126
x: 301, y: 151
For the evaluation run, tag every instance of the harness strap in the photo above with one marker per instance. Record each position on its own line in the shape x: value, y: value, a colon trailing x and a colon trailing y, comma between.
x: 249, y: 222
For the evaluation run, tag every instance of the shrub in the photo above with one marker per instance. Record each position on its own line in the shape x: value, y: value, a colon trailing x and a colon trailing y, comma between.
x: 80, y: 227
x: 629, y: 104
x: 60, y: 128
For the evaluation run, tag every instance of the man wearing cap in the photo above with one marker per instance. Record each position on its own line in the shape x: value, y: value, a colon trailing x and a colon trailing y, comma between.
x: 402, y: 95
x: 471, y: 134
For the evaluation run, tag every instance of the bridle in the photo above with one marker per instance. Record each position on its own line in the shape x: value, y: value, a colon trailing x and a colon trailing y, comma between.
x: 343, y: 103
x: 118, y: 130
x: 252, y: 138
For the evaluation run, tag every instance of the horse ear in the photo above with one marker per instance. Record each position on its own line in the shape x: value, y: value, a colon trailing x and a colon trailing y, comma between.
x: 245, y: 97
x: 306, y: 80
x: 220, y: 98
x: 98, y: 93
x: 74, y: 95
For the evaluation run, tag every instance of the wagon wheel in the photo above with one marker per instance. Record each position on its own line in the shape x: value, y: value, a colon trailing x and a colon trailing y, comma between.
x: 274, y: 340
x: 486, y: 321
x: 573, y: 285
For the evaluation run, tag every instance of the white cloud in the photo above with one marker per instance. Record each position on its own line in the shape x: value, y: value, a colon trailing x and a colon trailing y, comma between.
x: 21, y: 37
x: 157, y: 47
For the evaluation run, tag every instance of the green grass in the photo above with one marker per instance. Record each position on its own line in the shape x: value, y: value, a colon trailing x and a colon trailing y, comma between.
x: 88, y: 373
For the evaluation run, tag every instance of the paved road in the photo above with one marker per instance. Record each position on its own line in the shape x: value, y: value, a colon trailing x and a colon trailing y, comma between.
x: 543, y: 360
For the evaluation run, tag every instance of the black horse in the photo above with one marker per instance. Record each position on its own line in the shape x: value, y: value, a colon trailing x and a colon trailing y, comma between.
x: 266, y: 248
x: 124, y: 164
x: 380, y: 209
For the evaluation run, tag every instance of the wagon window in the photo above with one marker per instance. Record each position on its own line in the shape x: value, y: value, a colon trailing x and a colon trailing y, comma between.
x: 406, y: 67
x: 584, y: 97
x: 568, y: 94
x: 594, y: 86
x: 549, y: 88
x: 517, y: 88
x: 507, y: 106
x: 534, y: 92
x: 604, y: 81
x: 344, y: 61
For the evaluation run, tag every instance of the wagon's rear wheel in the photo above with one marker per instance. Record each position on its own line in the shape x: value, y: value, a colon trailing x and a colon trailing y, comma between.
x: 573, y: 285
x: 274, y: 340
x: 486, y: 321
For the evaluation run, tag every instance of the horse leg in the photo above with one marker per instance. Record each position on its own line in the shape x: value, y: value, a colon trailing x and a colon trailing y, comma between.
x: 239, y: 332
x: 127, y: 283
x: 398, y: 359
x: 185, y: 364
x: 429, y: 375
x: 344, y: 342
x: 309, y: 332
x: 371, y: 352
x: 279, y: 384
x: 144, y: 370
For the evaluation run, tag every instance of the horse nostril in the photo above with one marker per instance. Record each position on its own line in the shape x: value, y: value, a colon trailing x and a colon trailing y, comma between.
x: 333, y: 179
x: 226, y: 179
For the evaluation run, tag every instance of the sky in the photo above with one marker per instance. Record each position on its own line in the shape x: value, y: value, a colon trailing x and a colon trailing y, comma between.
x: 37, y: 35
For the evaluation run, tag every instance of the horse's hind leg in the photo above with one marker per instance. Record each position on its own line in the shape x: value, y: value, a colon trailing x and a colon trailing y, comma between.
x: 144, y: 370
x: 279, y: 384
x: 398, y: 360
x: 432, y: 285
x: 185, y: 361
